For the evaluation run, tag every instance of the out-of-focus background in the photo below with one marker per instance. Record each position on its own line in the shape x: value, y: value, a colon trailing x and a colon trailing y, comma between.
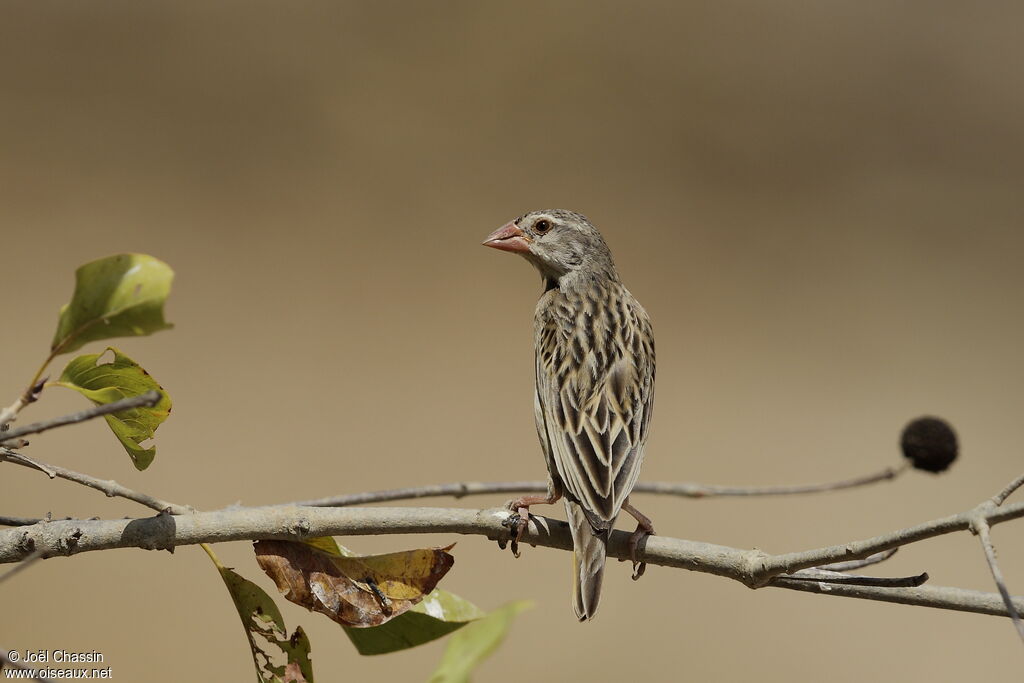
x: 818, y: 203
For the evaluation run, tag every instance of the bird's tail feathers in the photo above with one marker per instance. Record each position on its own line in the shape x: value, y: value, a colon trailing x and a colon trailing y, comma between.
x: 590, y: 547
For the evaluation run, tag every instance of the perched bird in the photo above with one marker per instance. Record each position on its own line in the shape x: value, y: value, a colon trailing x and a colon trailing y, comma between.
x: 594, y: 386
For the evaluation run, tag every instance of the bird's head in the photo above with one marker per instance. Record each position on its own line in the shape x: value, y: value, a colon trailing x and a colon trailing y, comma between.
x: 558, y: 243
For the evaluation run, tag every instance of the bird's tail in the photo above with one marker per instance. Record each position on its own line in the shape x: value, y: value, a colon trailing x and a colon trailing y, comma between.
x: 589, y: 548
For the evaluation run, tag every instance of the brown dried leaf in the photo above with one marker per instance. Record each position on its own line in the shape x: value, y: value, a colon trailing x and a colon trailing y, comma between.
x: 353, y: 591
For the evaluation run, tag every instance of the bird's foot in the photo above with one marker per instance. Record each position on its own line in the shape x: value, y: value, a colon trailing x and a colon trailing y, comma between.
x: 644, y: 528
x: 520, y: 517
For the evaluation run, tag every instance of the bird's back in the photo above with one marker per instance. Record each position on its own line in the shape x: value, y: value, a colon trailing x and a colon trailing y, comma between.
x: 595, y: 388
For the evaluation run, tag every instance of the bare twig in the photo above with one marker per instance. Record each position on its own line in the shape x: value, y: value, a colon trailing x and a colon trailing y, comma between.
x: 25, y: 460
x: 946, y: 597
x: 981, y: 528
x: 790, y: 562
x: 150, y: 398
x: 859, y: 564
x: 1001, y: 497
x: 705, y: 491
x: 826, y: 576
x: 30, y: 395
x: 8, y: 414
x: 21, y: 566
x: 108, y: 486
x: 454, y: 489
x: 18, y: 521
x: 682, y: 489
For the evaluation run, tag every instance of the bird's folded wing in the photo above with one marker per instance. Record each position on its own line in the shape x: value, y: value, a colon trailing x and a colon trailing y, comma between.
x: 596, y: 420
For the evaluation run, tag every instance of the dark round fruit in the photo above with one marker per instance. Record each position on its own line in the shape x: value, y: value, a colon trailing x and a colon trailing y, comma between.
x: 929, y: 443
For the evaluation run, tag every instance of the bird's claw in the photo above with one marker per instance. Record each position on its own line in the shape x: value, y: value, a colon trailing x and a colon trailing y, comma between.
x: 516, y: 523
x: 639, y: 566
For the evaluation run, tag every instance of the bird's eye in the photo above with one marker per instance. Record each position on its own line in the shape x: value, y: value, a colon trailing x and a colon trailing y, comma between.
x: 541, y: 226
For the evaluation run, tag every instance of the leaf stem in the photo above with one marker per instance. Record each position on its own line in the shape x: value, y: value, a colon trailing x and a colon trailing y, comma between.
x: 213, y: 556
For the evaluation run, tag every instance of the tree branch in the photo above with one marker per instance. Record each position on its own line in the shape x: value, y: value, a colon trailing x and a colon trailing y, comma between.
x: 981, y: 528
x: 809, y: 571
x: 107, y: 486
x: 150, y: 398
x: 682, y: 489
x: 6, y: 520
x: 753, y: 568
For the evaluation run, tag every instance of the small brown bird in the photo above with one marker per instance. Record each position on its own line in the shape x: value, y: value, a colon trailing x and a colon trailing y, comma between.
x: 594, y: 386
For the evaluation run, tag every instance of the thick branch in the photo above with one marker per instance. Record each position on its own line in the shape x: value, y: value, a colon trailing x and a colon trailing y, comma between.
x: 292, y: 522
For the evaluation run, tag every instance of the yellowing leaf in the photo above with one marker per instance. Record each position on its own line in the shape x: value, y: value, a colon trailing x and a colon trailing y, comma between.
x: 405, y: 575
x: 264, y: 626
x: 113, y: 381
x: 118, y: 296
x: 353, y: 591
x: 437, y: 615
x: 328, y: 545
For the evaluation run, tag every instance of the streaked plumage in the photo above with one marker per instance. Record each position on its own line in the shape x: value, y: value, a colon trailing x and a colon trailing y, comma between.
x: 594, y: 381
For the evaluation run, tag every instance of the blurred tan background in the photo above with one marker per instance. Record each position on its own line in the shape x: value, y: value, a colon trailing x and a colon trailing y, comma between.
x: 818, y: 203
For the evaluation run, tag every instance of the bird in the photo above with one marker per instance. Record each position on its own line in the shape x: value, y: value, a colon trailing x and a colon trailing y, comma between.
x: 594, y: 388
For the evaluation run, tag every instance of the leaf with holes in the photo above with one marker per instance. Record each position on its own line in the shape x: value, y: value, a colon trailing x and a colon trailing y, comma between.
x: 108, y: 382
x: 264, y: 626
x: 118, y: 296
x: 356, y: 591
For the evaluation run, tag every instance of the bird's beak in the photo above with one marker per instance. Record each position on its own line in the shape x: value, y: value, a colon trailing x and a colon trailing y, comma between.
x: 508, y: 238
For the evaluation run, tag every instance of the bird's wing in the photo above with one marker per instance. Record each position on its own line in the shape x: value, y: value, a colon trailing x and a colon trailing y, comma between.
x: 595, y: 384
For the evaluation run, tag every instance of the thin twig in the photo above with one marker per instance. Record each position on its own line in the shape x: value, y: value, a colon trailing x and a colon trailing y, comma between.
x: 8, y: 414
x: 705, y: 491
x: 149, y: 399
x: 29, y: 462
x: 1000, y: 497
x: 19, y: 521
x: 108, y: 486
x: 946, y: 597
x: 859, y: 564
x: 21, y: 566
x: 682, y: 489
x: 826, y: 576
x: 980, y: 527
x: 454, y: 489
x: 789, y: 562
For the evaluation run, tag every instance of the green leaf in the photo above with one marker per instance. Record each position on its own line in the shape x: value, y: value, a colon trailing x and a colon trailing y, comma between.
x: 109, y: 382
x: 439, y: 613
x: 261, y: 618
x: 476, y: 642
x: 118, y: 296
x: 436, y: 616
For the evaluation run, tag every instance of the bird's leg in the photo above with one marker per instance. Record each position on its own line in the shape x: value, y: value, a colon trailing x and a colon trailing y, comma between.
x: 644, y: 528
x: 521, y: 508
